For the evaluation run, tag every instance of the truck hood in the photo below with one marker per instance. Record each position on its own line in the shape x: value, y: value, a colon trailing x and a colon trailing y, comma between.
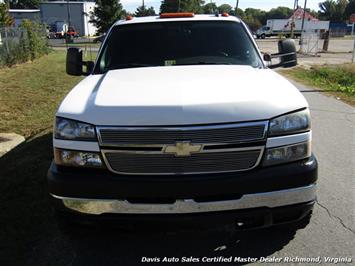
x: 181, y: 95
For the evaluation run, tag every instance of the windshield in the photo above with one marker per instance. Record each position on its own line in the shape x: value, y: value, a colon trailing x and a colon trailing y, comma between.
x: 177, y: 43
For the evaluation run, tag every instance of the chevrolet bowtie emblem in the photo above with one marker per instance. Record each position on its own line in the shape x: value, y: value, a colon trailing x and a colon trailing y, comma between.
x: 182, y: 148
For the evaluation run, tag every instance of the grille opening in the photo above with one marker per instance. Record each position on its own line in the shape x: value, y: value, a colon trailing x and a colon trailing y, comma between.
x: 168, y: 164
x: 231, y: 133
x: 137, y: 148
x: 227, y: 148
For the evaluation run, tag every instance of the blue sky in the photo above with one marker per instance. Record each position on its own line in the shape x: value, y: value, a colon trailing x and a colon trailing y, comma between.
x: 131, y: 5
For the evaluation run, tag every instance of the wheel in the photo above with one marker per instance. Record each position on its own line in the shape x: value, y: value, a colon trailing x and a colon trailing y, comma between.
x: 263, y: 36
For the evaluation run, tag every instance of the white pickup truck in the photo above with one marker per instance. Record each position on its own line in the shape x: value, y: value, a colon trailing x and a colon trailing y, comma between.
x: 181, y: 117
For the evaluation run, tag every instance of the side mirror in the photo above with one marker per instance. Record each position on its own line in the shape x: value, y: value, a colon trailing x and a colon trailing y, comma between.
x: 75, y: 63
x: 267, y: 57
x: 287, y: 49
x: 287, y: 54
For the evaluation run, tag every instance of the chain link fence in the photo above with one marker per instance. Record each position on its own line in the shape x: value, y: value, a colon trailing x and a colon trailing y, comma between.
x: 310, y: 43
x: 20, y: 44
x: 10, y: 42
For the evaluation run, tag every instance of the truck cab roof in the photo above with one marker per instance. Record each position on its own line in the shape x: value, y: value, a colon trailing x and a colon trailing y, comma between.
x: 151, y: 19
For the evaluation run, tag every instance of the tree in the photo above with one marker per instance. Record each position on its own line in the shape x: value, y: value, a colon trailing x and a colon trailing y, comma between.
x: 350, y: 9
x: 313, y: 12
x: 341, y: 8
x: 253, y: 22
x: 256, y: 14
x: 280, y: 12
x: 225, y: 8
x: 105, y: 13
x: 168, y: 6
x: 333, y: 11
x: 210, y: 8
x: 195, y: 6
x: 239, y: 12
x: 142, y: 11
x: 5, y: 18
x: 327, y: 9
x: 25, y: 4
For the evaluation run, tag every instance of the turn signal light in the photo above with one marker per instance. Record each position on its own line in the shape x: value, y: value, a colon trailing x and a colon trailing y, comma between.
x: 177, y: 15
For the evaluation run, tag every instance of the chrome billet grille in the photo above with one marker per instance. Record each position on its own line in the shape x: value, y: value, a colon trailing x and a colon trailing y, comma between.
x: 148, y: 163
x: 229, y: 133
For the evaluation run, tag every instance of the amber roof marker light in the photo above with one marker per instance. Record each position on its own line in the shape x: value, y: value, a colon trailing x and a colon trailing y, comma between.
x: 177, y: 15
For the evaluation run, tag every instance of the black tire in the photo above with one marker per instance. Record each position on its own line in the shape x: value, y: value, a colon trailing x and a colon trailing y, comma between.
x: 263, y: 36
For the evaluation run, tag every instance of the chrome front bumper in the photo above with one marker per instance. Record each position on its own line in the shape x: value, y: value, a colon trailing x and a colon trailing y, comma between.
x: 268, y: 199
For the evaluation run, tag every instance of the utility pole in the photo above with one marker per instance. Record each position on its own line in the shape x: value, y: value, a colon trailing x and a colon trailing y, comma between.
x: 302, y: 28
x: 143, y: 4
x: 68, y: 11
x: 295, y: 7
x: 236, y: 7
x: 304, y: 15
x: 68, y: 38
x: 353, y: 60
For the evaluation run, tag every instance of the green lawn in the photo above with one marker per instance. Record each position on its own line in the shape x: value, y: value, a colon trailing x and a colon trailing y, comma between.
x: 338, y: 80
x: 30, y: 94
x: 83, y: 45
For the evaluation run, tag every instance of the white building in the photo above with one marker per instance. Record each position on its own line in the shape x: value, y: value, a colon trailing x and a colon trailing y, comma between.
x: 20, y: 14
x: 73, y: 13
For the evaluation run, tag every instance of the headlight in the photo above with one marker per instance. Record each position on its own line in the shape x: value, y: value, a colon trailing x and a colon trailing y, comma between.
x: 290, y: 123
x: 77, y: 158
x: 287, y: 154
x: 73, y: 130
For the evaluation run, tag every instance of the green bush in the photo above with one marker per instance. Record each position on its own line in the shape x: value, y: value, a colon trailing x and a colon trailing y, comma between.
x: 27, y: 42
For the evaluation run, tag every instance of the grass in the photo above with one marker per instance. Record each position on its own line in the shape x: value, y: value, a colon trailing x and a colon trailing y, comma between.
x: 30, y: 94
x: 337, y: 80
x: 79, y: 44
